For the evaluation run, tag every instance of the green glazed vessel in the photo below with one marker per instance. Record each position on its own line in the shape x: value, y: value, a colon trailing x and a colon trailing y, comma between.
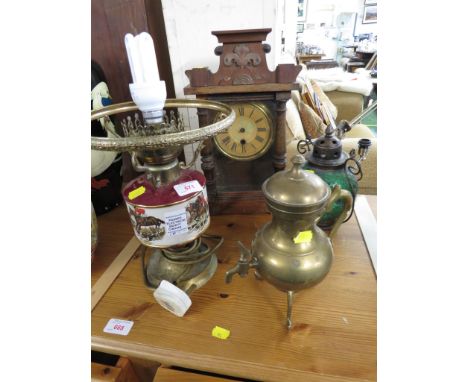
x: 335, y: 167
x: 334, y: 176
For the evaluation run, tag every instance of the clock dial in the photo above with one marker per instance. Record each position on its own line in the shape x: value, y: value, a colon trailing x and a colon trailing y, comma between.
x: 251, y: 134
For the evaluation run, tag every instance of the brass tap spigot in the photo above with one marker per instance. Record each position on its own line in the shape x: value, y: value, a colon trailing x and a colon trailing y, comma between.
x: 243, y: 265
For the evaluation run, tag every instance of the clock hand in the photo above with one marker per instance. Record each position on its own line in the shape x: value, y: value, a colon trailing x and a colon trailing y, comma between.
x: 243, y: 142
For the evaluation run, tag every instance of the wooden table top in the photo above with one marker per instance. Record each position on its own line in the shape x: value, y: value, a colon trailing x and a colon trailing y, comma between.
x: 334, y: 332
x: 114, y: 231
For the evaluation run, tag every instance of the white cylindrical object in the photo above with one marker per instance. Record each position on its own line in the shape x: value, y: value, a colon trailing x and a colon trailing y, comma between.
x: 174, y: 299
x: 128, y: 46
x: 148, y: 58
x: 133, y: 58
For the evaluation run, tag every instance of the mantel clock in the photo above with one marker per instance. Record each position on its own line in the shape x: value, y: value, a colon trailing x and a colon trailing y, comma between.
x: 237, y: 161
x: 251, y: 134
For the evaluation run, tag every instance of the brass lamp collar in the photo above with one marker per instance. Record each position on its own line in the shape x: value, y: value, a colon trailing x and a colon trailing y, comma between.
x: 138, y: 143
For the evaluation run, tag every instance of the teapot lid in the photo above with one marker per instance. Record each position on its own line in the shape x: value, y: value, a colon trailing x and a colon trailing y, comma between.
x: 296, y: 187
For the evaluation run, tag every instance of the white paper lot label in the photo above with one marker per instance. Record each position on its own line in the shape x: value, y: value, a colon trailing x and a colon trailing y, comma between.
x: 187, y: 187
x: 176, y: 222
x: 121, y: 327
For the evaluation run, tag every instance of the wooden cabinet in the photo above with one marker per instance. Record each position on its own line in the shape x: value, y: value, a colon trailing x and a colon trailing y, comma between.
x: 165, y: 374
x: 122, y: 371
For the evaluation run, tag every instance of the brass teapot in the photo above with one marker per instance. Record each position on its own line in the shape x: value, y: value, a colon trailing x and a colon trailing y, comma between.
x: 291, y: 252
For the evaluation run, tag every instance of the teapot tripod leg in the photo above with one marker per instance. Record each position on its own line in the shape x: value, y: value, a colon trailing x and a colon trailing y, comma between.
x: 290, y: 303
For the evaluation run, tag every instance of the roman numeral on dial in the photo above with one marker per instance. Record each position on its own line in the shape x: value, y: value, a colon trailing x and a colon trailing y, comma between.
x: 234, y: 146
x: 259, y: 138
x: 226, y: 140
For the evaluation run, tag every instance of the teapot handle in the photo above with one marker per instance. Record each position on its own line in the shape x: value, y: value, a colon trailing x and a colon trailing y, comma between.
x: 336, y: 194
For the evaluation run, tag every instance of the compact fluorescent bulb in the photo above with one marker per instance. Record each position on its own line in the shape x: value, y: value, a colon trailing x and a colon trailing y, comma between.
x: 148, y: 57
x: 148, y: 92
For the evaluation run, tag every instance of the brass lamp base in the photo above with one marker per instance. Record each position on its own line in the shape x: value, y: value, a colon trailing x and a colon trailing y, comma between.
x: 189, y: 267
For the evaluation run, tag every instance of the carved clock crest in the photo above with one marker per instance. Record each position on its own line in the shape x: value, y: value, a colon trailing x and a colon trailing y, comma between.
x: 246, y: 61
x: 236, y: 163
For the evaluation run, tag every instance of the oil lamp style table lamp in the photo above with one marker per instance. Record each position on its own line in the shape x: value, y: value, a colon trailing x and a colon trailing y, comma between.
x: 167, y: 204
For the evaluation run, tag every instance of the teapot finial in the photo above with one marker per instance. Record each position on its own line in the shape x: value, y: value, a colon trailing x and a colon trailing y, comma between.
x: 297, y: 161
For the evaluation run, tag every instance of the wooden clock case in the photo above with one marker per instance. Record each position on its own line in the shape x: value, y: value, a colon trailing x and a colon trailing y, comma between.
x: 243, y: 77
